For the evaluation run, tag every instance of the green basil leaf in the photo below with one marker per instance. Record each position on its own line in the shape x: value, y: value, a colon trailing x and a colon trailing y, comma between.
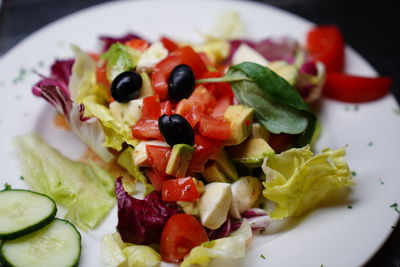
x: 276, y: 117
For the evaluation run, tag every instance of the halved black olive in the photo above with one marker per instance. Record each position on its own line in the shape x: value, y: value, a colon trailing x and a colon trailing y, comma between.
x: 176, y: 130
x: 181, y: 82
x: 126, y: 86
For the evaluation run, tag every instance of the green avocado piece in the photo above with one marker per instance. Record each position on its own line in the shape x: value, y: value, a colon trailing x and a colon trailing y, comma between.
x: 240, y: 119
x: 251, y: 152
x: 259, y: 131
x: 125, y: 160
x: 225, y: 164
x: 179, y: 160
x: 285, y: 70
x: 214, y: 174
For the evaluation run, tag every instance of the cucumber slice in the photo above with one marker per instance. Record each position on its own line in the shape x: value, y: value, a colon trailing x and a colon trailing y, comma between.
x: 56, y: 245
x: 23, y: 212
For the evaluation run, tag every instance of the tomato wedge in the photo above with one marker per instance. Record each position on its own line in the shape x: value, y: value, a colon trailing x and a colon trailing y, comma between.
x: 155, y: 179
x: 180, y: 189
x: 183, y: 55
x: 159, y: 156
x: 181, y: 233
x: 147, y: 130
x: 138, y: 44
x: 356, y: 89
x: 326, y: 44
x: 205, y: 149
x: 168, y: 44
x: 151, y: 109
x: 215, y: 127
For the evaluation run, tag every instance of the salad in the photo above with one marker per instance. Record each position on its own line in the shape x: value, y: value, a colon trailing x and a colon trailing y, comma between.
x: 218, y: 133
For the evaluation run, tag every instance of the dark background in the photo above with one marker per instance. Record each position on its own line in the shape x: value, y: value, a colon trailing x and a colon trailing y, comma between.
x: 370, y: 27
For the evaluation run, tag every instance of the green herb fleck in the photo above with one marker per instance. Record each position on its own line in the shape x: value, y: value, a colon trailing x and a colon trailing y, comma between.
x: 21, y: 178
x: 396, y: 111
x: 261, y: 205
x: 40, y: 63
x: 356, y: 107
x: 353, y: 173
x: 395, y: 206
x: 7, y: 186
x: 322, y: 265
x: 21, y: 76
x: 349, y: 206
x: 370, y: 144
x: 262, y: 257
x: 381, y: 181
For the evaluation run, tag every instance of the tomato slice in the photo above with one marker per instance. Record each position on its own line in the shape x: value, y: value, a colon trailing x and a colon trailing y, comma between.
x: 326, y: 44
x: 181, y: 233
x: 155, y: 179
x: 147, y: 130
x: 190, y: 112
x: 168, y: 44
x: 183, y: 55
x: 215, y: 127
x: 203, y: 99
x: 166, y: 108
x: 205, y: 149
x: 138, y: 44
x: 151, y: 109
x: 180, y: 189
x: 356, y: 89
x: 159, y: 156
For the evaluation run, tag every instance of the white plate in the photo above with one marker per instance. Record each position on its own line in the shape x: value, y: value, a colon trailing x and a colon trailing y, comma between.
x: 331, y: 235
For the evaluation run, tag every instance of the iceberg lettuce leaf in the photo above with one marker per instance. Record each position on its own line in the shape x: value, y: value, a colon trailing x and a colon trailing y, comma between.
x: 297, y: 180
x: 85, y: 190
x: 231, y: 247
x: 141, y: 256
x: 120, y: 58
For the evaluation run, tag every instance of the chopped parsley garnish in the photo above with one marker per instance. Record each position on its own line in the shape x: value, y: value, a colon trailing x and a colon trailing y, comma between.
x: 395, y: 206
x: 21, y: 178
x: 7, y: 186
x: 21, y: 75
x: 353, y: 173
x: 261, y: 205
x: 349, y: 206
x: 355, y: 107
x: 370, y: 144
x: 381, y: 181
x: 262, y: 257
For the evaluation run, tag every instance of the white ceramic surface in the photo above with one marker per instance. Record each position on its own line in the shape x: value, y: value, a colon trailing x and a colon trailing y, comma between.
x: 333, y: 235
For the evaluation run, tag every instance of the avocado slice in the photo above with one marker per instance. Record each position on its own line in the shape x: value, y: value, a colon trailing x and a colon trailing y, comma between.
x: 259, y: 131
x: 251, y: 152
x: 179, y: 160
x: 225, y: 164
x: 240, y: 119
x: 285, y: 70
x: 214, y: 174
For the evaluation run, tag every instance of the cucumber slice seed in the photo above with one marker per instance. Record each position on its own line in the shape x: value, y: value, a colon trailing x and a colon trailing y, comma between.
x: 23, y: 212
x: 56, y: 245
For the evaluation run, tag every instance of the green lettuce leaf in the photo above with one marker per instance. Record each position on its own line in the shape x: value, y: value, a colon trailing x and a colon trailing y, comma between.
x: 87, y: 191
x: 125, y: 159
x: 117, y: 132
x: 141, y: 256
x: 120, y: 58
x: 297, y: 180
x: 231, y: 247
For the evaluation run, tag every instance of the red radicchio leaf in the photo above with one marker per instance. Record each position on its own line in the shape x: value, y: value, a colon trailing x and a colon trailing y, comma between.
x: 141, y: 221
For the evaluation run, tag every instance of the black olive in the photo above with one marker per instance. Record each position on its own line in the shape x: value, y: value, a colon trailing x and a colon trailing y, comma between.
x: 181, y: 82
x: 176, y: 130
x: 126, y: 86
